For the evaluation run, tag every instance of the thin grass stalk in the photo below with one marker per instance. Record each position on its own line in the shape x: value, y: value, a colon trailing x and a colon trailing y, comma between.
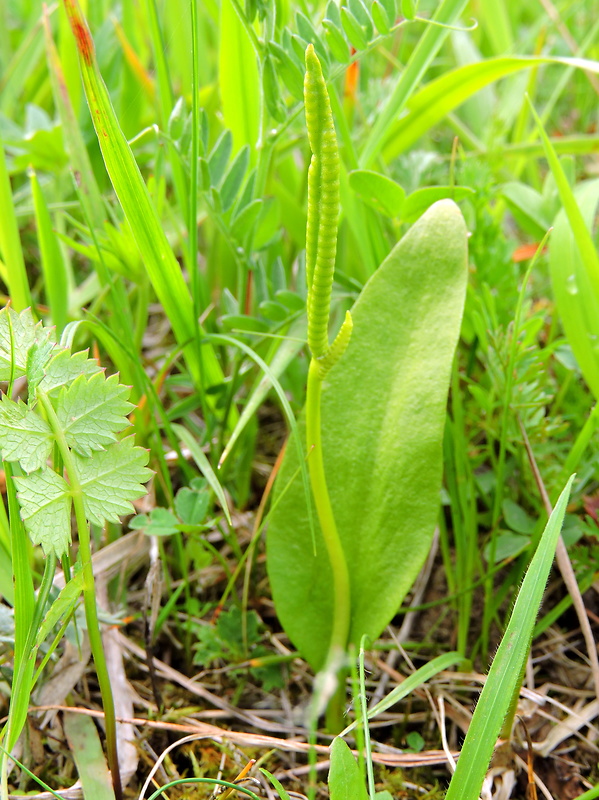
x: 166, y: 102
x: 10, y: 242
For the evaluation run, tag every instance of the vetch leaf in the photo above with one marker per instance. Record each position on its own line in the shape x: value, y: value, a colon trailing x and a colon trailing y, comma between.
x: 234, y: 178
x: 383, y: 413
x: 379, y: 191
x: 221, y: 152
x: 336, y: 41
x: 353, y: 29
x: 111, y: 479
x: 92, y: 410
x: 159, y: 522
x: 192, y: 505
x: 46, y: 510
x: 416, y: 203
x: 24, y: 436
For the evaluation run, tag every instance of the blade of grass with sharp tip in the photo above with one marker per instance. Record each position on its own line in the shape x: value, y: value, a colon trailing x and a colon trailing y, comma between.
x: 10, y: 243
x: 582, y: 235
x: 424, y: 53
x: 79, y: 157
x: 198, y: 455
x: 85, y: 746
x: 416, y: 679
x: 158, y: 258
x: 433, y: 102
x: 497, y: 693
x: 238, y: 78
x: 53, y: 266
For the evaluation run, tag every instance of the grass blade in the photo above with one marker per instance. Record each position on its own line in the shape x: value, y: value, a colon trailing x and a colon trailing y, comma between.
x: 161, y: 265
x: 424, y: 53
x: 187, y: 438
x: 507, y: 665
x: 85, y: 746
x: 239, y: 79
x: 53, y: 266
x: 428, y: 106
x: 10, y: 243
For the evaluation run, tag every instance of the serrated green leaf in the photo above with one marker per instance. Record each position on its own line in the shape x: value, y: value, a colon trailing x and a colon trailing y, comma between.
x: 24, y: 436
x: 63, y: 368
x: 37, y: 358
x: 92, y: 410
x: 46, y: 510
x: 111, y: 479
x: 18, y: 333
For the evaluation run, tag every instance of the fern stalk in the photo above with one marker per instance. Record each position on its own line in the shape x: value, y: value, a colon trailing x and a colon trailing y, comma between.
x: 321, y: 247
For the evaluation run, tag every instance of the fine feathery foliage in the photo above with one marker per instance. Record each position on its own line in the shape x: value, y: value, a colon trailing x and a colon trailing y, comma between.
x: 70, y: 401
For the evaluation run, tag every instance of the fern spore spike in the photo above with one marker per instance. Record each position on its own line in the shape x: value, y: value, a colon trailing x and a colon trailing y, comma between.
x: 321, y: 248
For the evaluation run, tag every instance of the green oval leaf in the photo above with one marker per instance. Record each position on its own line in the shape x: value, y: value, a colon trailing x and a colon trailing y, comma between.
x: 379, y: 191
x: 383, y: 413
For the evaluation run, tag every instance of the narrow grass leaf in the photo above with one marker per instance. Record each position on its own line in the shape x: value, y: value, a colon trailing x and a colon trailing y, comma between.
x: 10, y: 242
x: 160, y: 263
x: 432, y: 103
x: 79, y: 157
x: 497, y: 693
x: 239, y: 79
x: 198, y: 455
x: 448, y: 12
x: 573, y: 287
x: 85, y: 746
x: 287, y: 351
x: 56, y: 282
x: 412, y: 682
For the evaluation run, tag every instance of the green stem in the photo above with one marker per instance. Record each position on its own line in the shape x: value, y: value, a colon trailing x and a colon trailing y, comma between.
x: 322, y: 501
x: 89, y: 594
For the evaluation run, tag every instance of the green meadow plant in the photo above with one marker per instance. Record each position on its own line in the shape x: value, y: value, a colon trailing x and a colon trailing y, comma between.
x: 63, y: 454
x: 497, y: 702
x: 373, y: 422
